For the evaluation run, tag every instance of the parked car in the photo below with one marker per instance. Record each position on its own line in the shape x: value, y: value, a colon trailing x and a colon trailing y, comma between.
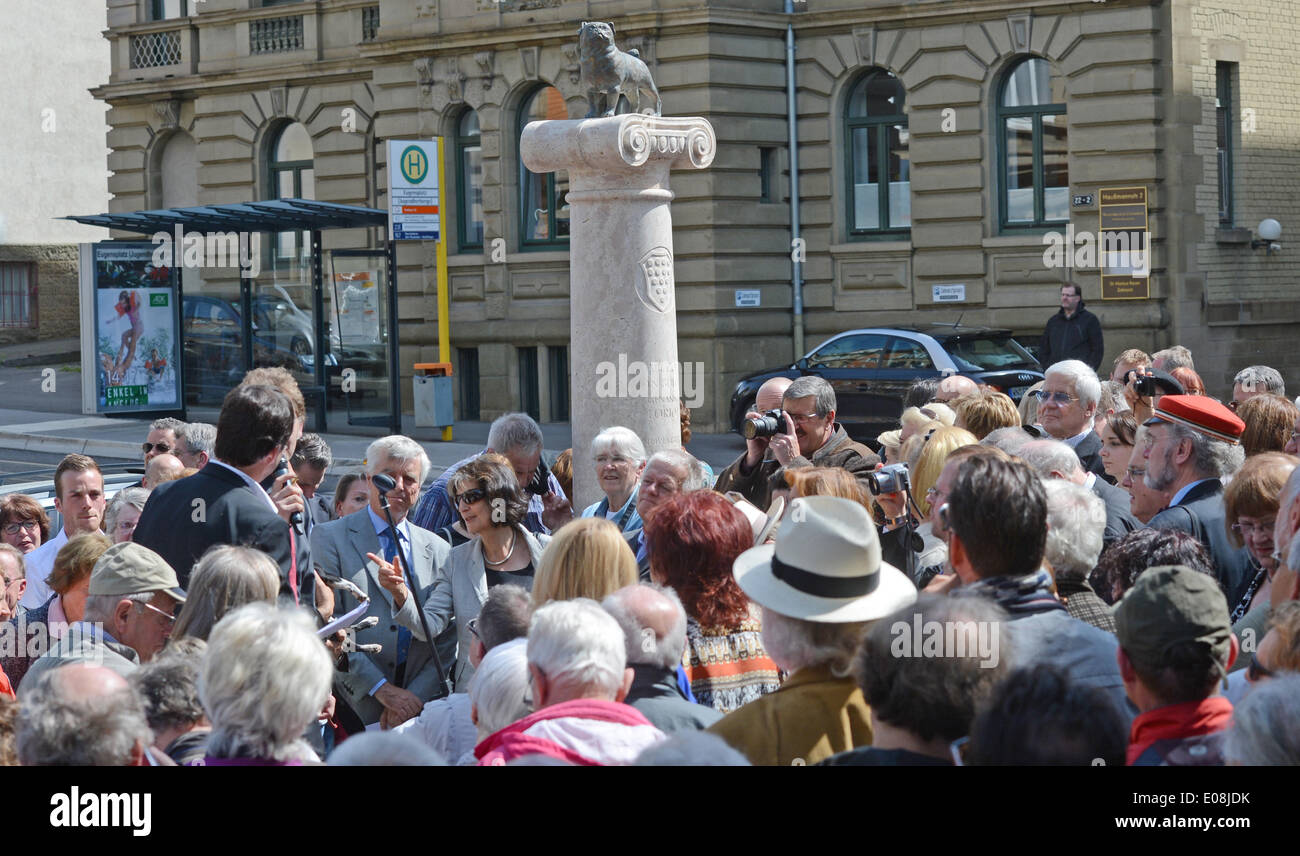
x: 211, y: 332
x: 872, y: 368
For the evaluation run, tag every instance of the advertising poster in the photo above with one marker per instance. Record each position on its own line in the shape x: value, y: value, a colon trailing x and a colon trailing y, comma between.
x: 135, y: 330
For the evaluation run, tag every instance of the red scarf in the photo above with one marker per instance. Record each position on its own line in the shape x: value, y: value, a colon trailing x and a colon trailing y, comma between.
x: 1190, y: 719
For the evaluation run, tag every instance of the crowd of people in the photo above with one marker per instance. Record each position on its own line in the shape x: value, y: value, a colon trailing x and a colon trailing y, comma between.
x: 1108, y: 572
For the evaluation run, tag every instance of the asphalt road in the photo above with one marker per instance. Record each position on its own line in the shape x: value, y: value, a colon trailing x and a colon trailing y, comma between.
x: 14, y: 461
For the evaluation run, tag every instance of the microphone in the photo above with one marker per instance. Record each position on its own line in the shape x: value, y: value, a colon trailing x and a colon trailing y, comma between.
x: 385, y: 484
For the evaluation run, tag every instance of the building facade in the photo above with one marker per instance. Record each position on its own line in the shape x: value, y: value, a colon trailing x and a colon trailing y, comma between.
x: 53, y: 162
x: 939, y: 145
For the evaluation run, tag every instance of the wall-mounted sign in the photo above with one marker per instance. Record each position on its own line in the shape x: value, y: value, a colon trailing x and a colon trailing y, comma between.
x: 748, y: 297
x: 1125, y: 247
x: 1082, y: 200
x: 413, y: 212
x: 954, y: 293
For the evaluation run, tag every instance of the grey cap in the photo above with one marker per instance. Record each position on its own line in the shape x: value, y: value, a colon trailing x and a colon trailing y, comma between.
x: 129, y: 568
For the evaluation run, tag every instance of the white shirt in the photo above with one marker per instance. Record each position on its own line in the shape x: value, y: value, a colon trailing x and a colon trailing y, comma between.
x: 248, y: 480
x: 39, y: 564
x: 1074, y: 441
x: 446, y: 727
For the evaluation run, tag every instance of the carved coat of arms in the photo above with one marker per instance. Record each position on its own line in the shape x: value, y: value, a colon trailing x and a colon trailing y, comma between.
x: 654, y: 279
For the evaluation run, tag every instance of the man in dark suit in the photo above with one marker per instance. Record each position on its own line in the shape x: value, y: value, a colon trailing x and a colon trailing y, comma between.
x: 1192, y: 445
x: 224, y: 503
x: 666, y: 474
x: 1067, y: 404
x: 393, y: 684
x: 1053, y: 459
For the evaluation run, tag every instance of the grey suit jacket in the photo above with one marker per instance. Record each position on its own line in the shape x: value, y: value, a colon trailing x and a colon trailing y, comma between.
x: 340, y: 548
x: 1119, y: 518
x: 458, y: 595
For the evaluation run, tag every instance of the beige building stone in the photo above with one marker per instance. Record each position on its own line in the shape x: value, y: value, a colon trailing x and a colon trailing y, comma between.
x: 1139, y: 89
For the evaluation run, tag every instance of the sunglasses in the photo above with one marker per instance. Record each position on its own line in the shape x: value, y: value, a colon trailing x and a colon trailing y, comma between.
x: 162, y: 448
x: 1062, y: 398
x: 470, y: 496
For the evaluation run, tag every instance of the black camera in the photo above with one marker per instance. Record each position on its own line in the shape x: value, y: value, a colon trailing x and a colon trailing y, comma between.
x: 769, y: 424
x: 1145, y: 386
x: 890, y: 479
x: 539, y: 484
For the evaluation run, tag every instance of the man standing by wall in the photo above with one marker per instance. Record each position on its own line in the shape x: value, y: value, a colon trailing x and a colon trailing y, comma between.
x: 1073, y: 333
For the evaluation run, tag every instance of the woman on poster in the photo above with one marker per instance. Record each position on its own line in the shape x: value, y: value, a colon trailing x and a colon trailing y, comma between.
x: 128, y: 304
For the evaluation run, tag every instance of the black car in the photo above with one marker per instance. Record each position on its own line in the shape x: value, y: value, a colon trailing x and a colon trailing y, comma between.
x: 871, y: 370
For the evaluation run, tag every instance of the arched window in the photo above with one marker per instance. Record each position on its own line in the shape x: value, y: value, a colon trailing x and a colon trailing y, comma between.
x: 469, y: 181
x: 544, y: 214
x: 879, y: 174
x: 291, y: 176
x: 1033, y: 146
x: 177, y: 170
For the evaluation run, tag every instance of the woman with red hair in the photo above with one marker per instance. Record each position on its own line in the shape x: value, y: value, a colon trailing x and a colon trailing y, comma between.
x: 693, y: 540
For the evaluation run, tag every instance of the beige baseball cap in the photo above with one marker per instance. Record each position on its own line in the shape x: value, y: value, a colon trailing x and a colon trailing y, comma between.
x: 129, y: 568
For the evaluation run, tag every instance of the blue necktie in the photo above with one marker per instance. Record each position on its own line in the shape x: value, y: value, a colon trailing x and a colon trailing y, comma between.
x: 403, y: 635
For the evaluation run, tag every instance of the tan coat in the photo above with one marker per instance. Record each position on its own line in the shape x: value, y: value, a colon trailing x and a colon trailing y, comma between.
x: 813, y: 716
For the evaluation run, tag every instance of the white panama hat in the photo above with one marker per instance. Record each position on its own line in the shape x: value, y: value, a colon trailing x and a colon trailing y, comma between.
x: 824, y: 566
x: 762, y: 524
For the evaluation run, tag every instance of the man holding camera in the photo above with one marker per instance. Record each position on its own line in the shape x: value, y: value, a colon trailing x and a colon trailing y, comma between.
x: 807, y: 435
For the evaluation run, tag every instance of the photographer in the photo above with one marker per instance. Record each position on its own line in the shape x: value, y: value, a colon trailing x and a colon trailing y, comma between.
x: 807, y: 435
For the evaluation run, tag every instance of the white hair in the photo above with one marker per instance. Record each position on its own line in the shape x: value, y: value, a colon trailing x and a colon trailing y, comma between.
x: 136, y: 497
x: 60, y: 727
x: 697, y: 478
x: 399, y: 449
x: 99, y: 608
x: 1086, y: 385
x: 1076, y: 522
x: 1048, y: 456
x: 1211, y: 458
x: 1265, y: 728
x: 576, y: 642
x: 499, y: 689
x: 264, y: 679
x: 512, y: 432
x: 795, y: 644
x: 691, y: 749
x: 663, y: 652
x: 384, y: 749
x: 620, y: 441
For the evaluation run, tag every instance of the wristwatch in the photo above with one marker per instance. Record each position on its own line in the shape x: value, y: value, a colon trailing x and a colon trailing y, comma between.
x: 896, y: 521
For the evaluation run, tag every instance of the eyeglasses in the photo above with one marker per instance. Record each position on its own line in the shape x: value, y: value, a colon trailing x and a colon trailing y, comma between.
x: 162, y: 448
x: 801, y: 418
x: 1245, y: 530
x: 957, y: 749
x: 1061, y: 398
x: 152, y: 608
x: 15, y: 528
x: 1136, y: 473
x: 472, y: 627
x: 1257, y: 670
x: 470, y: 497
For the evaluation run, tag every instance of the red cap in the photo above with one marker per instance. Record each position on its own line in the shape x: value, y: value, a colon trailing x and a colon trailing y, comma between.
x: 1200, y: 413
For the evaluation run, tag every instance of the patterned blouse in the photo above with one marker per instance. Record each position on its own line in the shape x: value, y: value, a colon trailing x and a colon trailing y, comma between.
x: 728, y: 667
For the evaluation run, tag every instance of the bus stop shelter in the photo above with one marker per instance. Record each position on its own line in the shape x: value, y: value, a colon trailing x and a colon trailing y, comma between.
x: 331, y: 321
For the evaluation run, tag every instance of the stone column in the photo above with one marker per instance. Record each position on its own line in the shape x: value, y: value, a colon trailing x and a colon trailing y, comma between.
x: 623, y: 313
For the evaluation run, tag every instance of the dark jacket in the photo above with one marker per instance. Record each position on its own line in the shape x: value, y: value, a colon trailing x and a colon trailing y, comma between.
x: 183, y: 518
x: 1075, y: 338
x: 1119, y: 516
x: 1089, y: 452
x: 633, y: 540
x: 1201, y: 513
x: 756, y: 485
x: 655, y: 694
